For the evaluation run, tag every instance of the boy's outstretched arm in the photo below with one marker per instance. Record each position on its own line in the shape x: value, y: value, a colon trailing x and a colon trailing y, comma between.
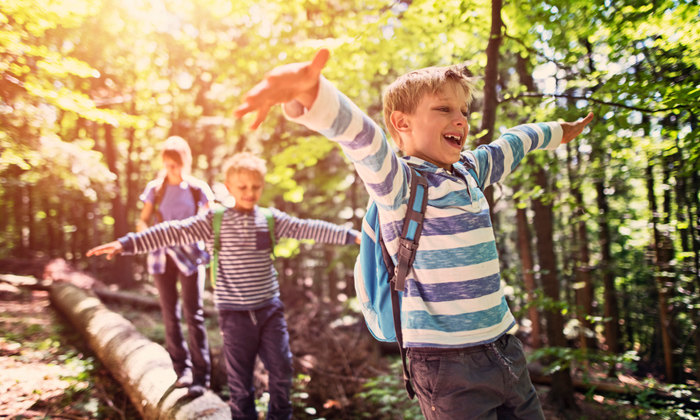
x: 171, y: 233
x: 572, y: 129
x: 295, y: 81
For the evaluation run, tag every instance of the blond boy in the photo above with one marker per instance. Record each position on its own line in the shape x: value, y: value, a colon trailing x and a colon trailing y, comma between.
x: 455, y: 319
x: 251, y: 315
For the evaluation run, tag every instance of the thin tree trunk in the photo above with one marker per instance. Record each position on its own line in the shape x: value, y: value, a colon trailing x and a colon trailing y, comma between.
x: 488, y: 121
x: 49, y: 225
x: 661, y: 282
x: 694, y: 237
x: 525, y: 247
x: 31, y: 219
x: 611, y: 311
x: 20, y: 249
x: 584, y: 290
x: 59, y: 224
x: 562, y: 393
x: 123, y: 268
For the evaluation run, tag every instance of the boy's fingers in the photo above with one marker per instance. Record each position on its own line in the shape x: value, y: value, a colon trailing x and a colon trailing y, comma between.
x: 242, y: 110
x: 260, y: 117
x: 95, y: 251
x: 320, y: 60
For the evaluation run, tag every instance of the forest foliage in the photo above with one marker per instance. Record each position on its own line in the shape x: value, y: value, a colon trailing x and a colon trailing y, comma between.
x: 89, y: 88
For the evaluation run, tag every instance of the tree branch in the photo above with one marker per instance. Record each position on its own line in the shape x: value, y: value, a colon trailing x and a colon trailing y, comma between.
x: 589, y: 98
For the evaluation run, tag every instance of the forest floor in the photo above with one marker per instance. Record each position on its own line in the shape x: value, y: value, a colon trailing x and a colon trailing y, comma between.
x: 47, y: 373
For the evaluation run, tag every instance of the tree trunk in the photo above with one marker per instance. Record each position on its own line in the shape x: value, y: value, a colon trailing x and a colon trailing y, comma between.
x: 611, y: 311
x: 488, y: 121
x: 123, y: 268
x: 660, y: 278
x: 127, y: 280
x: 525, y: 247
x: 562, y: 393
x: 51, y: 231
x: 142, y: 367
x: 694, y: 239
x: 584, y: 289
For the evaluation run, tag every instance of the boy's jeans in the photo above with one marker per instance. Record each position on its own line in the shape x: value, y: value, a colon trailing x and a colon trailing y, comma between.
x: 485, y: 382
x: 260, y: 332
x: 197, y: 358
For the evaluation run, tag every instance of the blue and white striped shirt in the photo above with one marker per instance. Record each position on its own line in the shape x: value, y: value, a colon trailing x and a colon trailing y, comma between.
x: 245, y: 278
x: 453, y: 295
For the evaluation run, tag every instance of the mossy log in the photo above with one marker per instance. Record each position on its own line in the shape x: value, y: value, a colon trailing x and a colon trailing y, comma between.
x: 142, y: 367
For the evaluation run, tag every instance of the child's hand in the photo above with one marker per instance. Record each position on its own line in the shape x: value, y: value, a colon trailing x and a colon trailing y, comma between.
x: 571, y: 130
x: 284, y: 84
x: 111, y: 249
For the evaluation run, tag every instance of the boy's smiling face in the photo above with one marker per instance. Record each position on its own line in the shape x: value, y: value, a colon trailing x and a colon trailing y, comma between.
x: 246, y: 187
x: 437, y: 130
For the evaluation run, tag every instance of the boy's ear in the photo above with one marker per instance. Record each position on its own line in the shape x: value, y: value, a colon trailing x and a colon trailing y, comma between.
x: 400, y: 121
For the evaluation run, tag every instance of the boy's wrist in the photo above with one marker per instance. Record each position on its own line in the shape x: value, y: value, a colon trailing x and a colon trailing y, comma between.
x: 322, y: 112
x: 308, y: 98
x: 127, y: 244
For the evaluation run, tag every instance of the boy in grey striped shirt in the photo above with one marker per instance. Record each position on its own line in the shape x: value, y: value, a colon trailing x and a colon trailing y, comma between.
x: 454, y: 316
x: 251, y: 315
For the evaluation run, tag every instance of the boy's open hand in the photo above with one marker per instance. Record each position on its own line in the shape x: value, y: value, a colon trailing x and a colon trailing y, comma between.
x: 573, y: 129
x: 283, y: 84
x: 112, y: 249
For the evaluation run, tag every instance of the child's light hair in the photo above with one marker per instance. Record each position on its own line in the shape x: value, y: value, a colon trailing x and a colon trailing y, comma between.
x: 244, y: 161
x: 407, y: 91
x: 177, y: 149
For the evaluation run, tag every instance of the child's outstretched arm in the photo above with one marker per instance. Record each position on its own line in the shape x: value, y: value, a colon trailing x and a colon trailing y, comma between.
x: 295, y: 81
x: 321, y: 231
x: 494, y: 161
x: 163, y: 235
x: 335, y: 116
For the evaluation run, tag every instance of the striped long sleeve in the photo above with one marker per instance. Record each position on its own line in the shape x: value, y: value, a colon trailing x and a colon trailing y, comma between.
x: 246, y: 277
x: 454, y: 294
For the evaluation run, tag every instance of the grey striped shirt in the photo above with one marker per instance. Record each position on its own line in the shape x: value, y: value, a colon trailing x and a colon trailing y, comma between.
x: 246, y: 278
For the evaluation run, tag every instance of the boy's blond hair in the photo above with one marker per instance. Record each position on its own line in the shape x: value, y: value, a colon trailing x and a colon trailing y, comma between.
x: 407, y: 91
x: 244, y: 161
x: 177, y: 149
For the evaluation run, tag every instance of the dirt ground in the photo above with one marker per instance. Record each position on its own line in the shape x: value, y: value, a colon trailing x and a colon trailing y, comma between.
x: 46, y: 378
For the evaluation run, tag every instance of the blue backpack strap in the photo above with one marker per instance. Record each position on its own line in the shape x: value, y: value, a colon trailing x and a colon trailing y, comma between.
x: 408, y: 245
x: 412, y: 228
x: 270, y: 226
x: 216, y: 227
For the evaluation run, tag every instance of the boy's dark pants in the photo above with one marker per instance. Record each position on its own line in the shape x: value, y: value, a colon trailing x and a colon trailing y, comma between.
x: 485, y: 382
x: 197, y: 358
x: 247, y: 334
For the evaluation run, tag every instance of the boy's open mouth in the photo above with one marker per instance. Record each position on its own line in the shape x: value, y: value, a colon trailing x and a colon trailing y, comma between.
x: 453, y: 139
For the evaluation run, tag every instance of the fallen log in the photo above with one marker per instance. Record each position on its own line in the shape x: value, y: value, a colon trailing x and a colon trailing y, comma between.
x: 142, y: 367
x: 103, y: 293
x: 629, y: 391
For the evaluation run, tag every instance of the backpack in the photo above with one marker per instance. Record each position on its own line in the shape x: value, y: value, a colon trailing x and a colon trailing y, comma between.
x: 216, y: 226
x: 379, y: 284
